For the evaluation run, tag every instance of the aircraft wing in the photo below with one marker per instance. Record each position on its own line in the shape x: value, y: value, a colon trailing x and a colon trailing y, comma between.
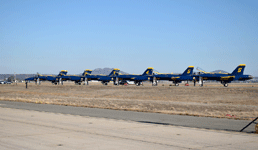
x: 174, y: 78
x: 30, y: 79
x: 104, y: 79
x: 227, y: 77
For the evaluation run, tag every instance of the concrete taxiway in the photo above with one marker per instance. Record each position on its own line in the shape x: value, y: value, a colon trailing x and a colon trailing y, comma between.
x: 151, y: 118
x: 27, y: 129
x: 30, y: 129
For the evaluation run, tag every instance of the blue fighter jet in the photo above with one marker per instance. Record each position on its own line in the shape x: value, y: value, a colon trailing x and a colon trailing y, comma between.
x: 78, y: 79
x: 224, y: 78
x: 138, y: 79
x: 175, y: 78
x: 54, y: 79
x: 105, y: 79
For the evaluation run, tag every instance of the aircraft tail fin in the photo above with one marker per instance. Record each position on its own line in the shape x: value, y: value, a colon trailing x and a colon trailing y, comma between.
x: 62, y: 72
x: 87, y: 71
x: 239, y: 70
x: 148, y: 71
x: 114, y: 72
x: 188, y: 71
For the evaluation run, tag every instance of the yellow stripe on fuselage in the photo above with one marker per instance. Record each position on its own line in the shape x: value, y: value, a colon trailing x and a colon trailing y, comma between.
x: 227, y: 77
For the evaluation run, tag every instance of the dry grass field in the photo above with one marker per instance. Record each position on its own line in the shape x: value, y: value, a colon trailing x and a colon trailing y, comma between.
x: 238, y: 101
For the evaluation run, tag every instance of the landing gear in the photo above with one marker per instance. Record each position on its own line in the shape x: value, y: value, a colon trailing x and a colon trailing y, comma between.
x: 117, y: 82
x: 60, y: 81
x: 104, y: 83
x: 154, y: 82
x: 37, y: 81
x: 138, y: 84
x: 224, y: 83
x: 77, y: 83
x: 86, y: 82
x: 176, y: 84
x: 201, y: 81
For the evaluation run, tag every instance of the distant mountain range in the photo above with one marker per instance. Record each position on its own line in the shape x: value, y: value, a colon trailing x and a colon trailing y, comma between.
x: 105, y: 71
x: 18, y: 76
x: 220, y: 71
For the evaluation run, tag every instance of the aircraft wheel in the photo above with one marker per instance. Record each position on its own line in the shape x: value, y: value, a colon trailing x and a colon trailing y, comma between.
x: 154, y: 84
x: 201, y: 85
x: 226, y: 85
x: 105, y: 83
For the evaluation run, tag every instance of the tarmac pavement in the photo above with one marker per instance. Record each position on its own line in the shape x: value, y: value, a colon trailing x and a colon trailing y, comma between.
x: 33, y: 129
x: 149, y: 118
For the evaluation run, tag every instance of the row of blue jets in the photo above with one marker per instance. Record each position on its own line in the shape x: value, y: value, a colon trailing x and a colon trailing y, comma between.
x: 148, y: 75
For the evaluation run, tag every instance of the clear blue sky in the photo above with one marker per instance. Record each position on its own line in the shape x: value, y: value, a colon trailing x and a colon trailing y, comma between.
x: 47, y: 36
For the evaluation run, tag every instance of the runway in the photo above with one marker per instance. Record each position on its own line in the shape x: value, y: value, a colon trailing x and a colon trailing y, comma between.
x: 30, y: 129
x: 148, y: 118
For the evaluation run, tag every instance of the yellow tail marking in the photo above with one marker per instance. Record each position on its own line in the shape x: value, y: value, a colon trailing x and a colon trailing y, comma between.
x: 188, y: 71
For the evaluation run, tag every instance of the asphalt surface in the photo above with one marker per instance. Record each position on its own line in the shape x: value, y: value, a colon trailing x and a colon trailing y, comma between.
x: 35, y: 130
x: 149, y: 118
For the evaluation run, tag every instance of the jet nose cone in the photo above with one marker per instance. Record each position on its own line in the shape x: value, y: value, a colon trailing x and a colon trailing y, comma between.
x: 250, y: 77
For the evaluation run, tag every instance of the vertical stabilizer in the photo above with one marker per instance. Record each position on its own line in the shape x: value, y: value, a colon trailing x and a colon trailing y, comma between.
x: 86, y: 72
x: 148, y: 71
x: 239, y: 70
x: 114, y: 72
x: 188, y: 71
x: 62, y: 72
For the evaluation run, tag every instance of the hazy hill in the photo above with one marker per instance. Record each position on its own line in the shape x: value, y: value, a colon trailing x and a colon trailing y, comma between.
x: 18, y: 76
x: 221, y: 71
x: 105, y: 71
